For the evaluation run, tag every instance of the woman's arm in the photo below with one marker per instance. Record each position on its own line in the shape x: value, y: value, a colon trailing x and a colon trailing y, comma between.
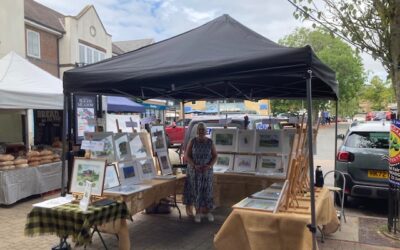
x: 188, y: 153
x: 214, y: 156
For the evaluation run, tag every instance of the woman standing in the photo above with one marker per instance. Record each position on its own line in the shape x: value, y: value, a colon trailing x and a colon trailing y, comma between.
x: 201, y: 157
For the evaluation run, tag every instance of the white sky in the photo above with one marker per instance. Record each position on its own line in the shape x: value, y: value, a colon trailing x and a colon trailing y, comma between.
x: 161, y: 19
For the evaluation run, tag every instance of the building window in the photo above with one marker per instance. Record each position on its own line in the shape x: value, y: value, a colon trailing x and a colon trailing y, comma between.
x: 33, y: 43
x: 89, y: 55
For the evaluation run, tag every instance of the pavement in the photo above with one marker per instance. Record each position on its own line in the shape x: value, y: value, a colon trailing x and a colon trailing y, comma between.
x: 167, y: 231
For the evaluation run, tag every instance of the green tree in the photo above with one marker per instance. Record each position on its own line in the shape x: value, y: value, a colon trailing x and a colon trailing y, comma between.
x: 345, y: 61
x: 378, y: 93
x: 372, y: 26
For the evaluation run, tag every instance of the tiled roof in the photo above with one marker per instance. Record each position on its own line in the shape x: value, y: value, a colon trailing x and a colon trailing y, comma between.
x: 43, y: 15
x: 131, y: 45
x: 116, y: 50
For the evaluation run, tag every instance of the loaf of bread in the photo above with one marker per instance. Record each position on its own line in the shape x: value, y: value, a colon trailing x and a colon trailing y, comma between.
x: 20, y: 161
x: 34, y: 163
x: 6, y: 163
x: 7, y: 167
x: 21, y: 165
x: 34, y: 158
x: 45, y: 161
x: 46, y: 157
x: 32, y: 153
x: 6, y: 157
x: 45, y: 152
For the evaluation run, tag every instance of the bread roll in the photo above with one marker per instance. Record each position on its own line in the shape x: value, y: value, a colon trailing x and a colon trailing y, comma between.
x: 45, y: 152
x: 20, y: 161
x: 6, y: 163
x: 21, y: 165
x: 8, y: 157
x: 32, y: 153
x: 36, y: 158
x: 34, y: 163
x: 7, y: 167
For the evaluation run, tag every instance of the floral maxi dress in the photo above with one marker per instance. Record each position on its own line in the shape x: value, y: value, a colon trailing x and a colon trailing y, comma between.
x: 198, y: 189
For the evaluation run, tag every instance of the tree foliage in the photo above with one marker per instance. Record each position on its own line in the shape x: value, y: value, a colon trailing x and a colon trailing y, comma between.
x: 378, y: 93
x: 337, y: 55
x: 372, y: 26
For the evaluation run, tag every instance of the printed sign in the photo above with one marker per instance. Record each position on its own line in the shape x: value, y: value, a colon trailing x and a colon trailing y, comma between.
x: 394, y: 153
x: 93, y: 145
x: 85, y: 201
x: 85, y: 116
x: 48, y: 126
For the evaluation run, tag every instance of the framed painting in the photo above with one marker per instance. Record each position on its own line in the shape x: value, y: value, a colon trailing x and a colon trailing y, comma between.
x: 269, y: 164
x: 245, y: 163
x: 129, y: 172
x: 268, y: 141
x: 108, y: 152
x: 257, y: 204
x: 158, y: 139
x: 92, y: 170
x: 111, y: 178
x: 245, y: 141
x: 288, y: 139
x: 139, y: 146
x: 224, y: 161
x: 224, y: 139
x: 146, y: 167
x: 165, y: 164
x: 122, y: 147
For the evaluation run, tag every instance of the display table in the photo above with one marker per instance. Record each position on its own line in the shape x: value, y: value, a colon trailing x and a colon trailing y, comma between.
x: 230, y: 188
x: 249, y: 229
x: 16, y: 184
x: 68, y: 219
x: 160, y: 189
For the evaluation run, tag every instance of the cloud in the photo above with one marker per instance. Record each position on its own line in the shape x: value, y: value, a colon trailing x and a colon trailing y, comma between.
x: 162, y: 19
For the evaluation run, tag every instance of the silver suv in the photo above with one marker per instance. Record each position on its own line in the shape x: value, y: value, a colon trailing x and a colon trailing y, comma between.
x: 361, y: 159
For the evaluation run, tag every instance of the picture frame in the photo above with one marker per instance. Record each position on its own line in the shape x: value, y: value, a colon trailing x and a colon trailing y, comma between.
x: 224, y: 161
x: 122, y: 147
x: 268, y: 141
x: 139, y: 145
x: 146, y: 167
x: 129, y: 172
x: 111, y: 178
x: 267, y: 194
x: 257, y: 204
x: 92, y: 170
x: 245, y: 141
x: 158, y: 140
x: 245, y: 163
x: 165, y: 164
x: 288, y: 135
x: 128, y: 189
x: 225, y: 139
x: 109, y: 148
x: 270, y: 164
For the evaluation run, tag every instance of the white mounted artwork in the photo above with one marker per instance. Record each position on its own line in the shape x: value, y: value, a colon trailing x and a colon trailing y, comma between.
x: 138, y: 145
x: 270, y: 164
x: 224, y: 162
x: 245, y: 141
x: 245, y: 163
x: 111, y: 177
x: 122, y: 147
x: 158, y: 139
x: 108, y: 152
x: 225, y: 140
x: 257, y: 204
x: 165, y: 164
x: 147, y: 169
x: 288, y: 139
x: 129, y: 172
x: 268, y: 141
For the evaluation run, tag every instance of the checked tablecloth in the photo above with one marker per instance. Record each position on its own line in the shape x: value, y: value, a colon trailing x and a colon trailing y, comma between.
x: 68, y: 220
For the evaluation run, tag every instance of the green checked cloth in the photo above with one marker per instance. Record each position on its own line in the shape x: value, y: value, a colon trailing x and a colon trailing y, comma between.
x: 68, y: 220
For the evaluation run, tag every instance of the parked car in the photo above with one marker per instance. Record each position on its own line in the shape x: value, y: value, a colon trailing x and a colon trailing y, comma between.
x: 361, y: 159
x: 176, y: 131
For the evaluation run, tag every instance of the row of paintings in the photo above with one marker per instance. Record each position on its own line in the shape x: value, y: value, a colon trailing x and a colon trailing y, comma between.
x: 269, y: 165
x: 128, y: 146
x: 253, y: 141
x: 268, y: 199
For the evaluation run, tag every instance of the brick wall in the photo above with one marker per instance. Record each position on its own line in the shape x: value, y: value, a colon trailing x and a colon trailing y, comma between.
x: 48, y: 51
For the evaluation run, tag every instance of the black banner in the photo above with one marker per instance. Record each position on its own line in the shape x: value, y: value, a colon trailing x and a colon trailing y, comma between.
x: 48, y: 126
x: 85, y: 109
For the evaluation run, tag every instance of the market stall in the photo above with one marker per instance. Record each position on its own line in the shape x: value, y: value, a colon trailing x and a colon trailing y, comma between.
x: 219, y: 60
x: 30, y: 97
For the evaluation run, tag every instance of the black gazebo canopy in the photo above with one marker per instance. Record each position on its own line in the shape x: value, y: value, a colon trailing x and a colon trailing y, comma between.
x: 220, y: 59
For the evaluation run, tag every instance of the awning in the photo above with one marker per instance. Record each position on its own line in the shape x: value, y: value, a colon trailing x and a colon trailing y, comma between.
x: 118, y: 104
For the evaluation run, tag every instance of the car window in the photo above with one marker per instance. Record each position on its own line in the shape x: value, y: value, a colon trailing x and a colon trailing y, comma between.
x: 179, y: 123
x: 368, y: 140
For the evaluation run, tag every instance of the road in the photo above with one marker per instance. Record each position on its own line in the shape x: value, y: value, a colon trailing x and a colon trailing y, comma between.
x: 325, y: 158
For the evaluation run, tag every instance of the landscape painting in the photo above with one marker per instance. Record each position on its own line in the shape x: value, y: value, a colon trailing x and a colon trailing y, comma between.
x: 92, y: 170
x: 224, y: 139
